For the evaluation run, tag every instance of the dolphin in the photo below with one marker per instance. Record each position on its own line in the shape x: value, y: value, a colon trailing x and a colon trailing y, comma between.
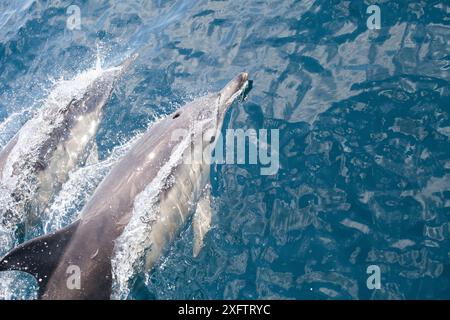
x: 37, y: 160
x: 153, y: 190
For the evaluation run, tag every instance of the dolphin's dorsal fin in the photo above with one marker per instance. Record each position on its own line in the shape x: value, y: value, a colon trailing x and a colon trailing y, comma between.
x: 201, y: 222
x: 39, y: 257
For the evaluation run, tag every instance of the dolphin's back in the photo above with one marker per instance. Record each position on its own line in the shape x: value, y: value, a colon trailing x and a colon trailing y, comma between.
x: 130, y: 176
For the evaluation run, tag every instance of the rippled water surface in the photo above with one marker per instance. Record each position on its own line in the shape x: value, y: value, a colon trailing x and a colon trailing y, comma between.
x: 364, y: 135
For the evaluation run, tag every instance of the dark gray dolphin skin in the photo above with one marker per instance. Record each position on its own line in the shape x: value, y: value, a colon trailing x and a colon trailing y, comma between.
x: 89, y: 243
x: 39, y: 157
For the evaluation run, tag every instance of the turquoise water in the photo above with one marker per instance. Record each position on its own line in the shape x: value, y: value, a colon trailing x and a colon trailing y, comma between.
x: 364, y: 134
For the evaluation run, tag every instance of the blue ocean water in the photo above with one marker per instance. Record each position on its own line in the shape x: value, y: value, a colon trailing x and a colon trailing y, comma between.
x: 364, y: 134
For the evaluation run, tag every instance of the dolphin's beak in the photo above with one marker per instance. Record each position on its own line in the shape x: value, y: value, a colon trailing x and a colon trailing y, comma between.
x: 228, y: 94
x: 233, y: 88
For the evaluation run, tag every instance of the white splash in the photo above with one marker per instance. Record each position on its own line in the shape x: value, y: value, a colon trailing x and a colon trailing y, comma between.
x: 15, y: 285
